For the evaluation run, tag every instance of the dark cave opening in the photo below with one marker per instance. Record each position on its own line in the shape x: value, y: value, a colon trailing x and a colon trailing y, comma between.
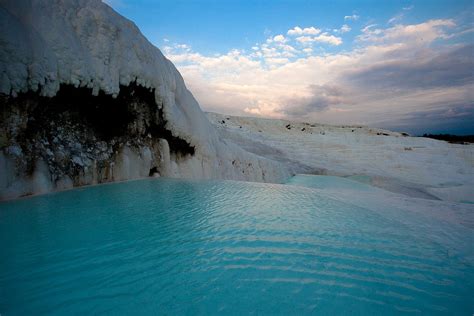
x: 153, y: 171
x: 177, y: 145
x: 107, y: 116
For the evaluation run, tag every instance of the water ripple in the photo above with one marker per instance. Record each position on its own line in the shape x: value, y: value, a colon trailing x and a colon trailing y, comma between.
x: 213, y: 247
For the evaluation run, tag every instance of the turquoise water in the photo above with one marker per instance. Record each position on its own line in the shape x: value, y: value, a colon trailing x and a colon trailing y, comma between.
x: 330, y: 182
x: 177, y: 247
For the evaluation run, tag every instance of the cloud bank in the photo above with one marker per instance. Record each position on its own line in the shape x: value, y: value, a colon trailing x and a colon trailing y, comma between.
x: 402, y: 76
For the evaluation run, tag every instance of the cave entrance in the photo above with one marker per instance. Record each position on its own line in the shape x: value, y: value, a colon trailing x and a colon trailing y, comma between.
x: 153, y: 172
x: 108, y: 117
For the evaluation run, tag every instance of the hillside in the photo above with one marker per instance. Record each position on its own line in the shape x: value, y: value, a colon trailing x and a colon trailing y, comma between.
x: 413, y: 166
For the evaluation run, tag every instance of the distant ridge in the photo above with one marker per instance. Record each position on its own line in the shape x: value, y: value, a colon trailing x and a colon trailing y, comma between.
x: 454, y: 139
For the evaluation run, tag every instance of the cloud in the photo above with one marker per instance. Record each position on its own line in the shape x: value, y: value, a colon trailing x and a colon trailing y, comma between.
x: 368, y: 27
x: 456, y: 118
x: 353, y: 17
x: 425, y: 71
x: 305, y: 39
x: 320, y: 98
x: 322, y: 38
x: 255, y: 111
x: 344, y: 29
x: 425, y: 32
x: 397, y: 18
x: 276, y: 60
x: 329, y: 39
x: 279, y: 38
x: 390, y: 74
x: 305, y: 31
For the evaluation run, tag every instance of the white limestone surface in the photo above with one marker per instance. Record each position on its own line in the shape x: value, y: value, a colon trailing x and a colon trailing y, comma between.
x: 413, y: 166
x: 85, y: 43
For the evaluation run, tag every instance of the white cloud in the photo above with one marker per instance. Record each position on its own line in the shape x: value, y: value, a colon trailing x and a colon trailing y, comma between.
x: 424, y: 32
x: 345, y: 28
x: 329, y: 39
x: 183, y: 46
x: 279, y: 38
x: 276, y: 61
x: 393, y: 72
x: 305, y: 39
x: 295, y: 31
x: 288, y: 48
x: 368, y: 27
x: 322, y: 38
x: 255, y: 111
x: 303, y: 31
x: 353, y: 17
x: 395, y: 19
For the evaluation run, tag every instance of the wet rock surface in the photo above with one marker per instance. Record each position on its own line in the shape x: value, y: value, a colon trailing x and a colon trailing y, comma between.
x: 79, y: 139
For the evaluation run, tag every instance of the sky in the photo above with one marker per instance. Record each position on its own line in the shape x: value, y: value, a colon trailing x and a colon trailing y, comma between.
x: 400, y: 65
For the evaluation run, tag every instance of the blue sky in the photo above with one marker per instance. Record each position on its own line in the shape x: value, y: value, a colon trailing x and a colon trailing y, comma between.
x: 404, y: 65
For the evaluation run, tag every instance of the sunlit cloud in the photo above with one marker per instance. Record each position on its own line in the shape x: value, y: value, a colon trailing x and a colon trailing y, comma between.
x: 390, y: 74
x: 279, y: 38
x: 322, y: 38
x: 304, y: 31
x: 329, y: 39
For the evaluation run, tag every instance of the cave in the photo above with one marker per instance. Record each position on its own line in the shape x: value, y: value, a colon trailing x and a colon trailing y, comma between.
x: 153, y: 171
x: 107, y: 117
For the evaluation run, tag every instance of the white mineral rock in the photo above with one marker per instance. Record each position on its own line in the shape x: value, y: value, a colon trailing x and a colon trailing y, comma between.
x: 85, y: 43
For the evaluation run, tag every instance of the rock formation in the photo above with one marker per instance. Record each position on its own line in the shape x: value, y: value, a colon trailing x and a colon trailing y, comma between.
x: 86, y: 99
